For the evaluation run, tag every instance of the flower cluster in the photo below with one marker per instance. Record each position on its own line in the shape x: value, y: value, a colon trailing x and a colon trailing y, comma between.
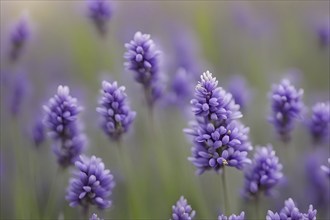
x: 61, y: 119
x: 320, y: 121
x: 290, y: 211
x: 91, y: 184
x: 264, y: 172
x: 218, y: 138
x: 94, y: 217
x: 232, y: 217
x: 115, y: 111
x: 182, y: 210
x: 18, y: 37
x: 287, y: 106
x: 143, y: 59
x: 100, y: 11
x: 326, y: 169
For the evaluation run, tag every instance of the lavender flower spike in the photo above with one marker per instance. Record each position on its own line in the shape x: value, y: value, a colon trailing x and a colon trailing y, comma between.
x: 237, y: 86
x: 38, y: 132
x: 287, y: 106
x: 290, y: 211
x: 91, y: 184
x: 116, y: 114
x: 182, y: 210
x: 94, y: 217
x: 100, y: 11
x: 326, y: 169
x: 61, y: 119
x: 142, y: 58
x: 232, y: 217
x: 19, y: 35
x: 264, y: 173
x: 320, y: 122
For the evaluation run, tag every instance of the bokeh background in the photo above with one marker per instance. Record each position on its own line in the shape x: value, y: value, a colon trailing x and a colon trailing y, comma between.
x: 262, y: 41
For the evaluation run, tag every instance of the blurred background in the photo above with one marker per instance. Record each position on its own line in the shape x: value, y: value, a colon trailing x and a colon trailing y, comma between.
x: 257, y: 42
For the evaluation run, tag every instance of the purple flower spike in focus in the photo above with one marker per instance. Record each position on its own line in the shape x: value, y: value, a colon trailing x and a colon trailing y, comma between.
x: 290, y: 211
x: 61, y: 119
x: 320, y: 121
x: 182, y: 210
x: 287, y: 106
x: 264, y: 173
x: 237, y: 86
x: 117, y: 116
x: 91, y: 184
x: 94, y: 217
x: 326, y: 169
x: 218, y: 138
x: 232, y: 217
x: 19, y: 35
x: 100, y: 11
x: 142, y: 58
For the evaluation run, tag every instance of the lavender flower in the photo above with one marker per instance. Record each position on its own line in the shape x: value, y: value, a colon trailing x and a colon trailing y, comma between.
x: 326, y: 169
x: 143, y: 59
x: 181, y: 88
x: 38, y: 132
x: 323, y: 32
x: 61, y: 119
x: 219, y: 140
x: 19, y: 87
x: 116, y: 114
x: 320, y: 121
x: 290, y: 211
x: 264, y: 173
x: 94, y: 217
x: 238, y: 88
x: 287, y: 106
x: 100, y: 11
x: 19, y: 35
x: 232, y: 217
x: 182, y: 210
x: 91, y: 184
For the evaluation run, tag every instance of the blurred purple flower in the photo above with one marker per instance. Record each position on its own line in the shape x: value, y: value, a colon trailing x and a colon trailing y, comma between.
x: 237, y: 86
x: 94, y: 217
x: 100, y: 11
x: 287, y: 106
x: 61, y: 120
x: 116, y: 114
x: 326, y: 169
x: 19, y: 35
x: 38, y: 132
x: 323, y: 32
x: 143, y: 59
x: 91, y: 184
x: 218, y: 140
x: 320, y: 121
x: 232, y: 217
x: 19, y: 87
x: 290, y: 211
x: 264, y: 173
x: 182, y: 210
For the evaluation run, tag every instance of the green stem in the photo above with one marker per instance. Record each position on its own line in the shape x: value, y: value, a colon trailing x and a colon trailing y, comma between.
x: 225, y: 193
x: 257, y: 206
x: 52, y: 197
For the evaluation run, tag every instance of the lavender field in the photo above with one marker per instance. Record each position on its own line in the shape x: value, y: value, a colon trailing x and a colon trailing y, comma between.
x: 165, y: 110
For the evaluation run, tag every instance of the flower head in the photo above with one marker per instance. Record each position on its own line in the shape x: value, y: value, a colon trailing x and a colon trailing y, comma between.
x: 94, y: 217
x: 232, y: 217
x: 264, y: 173
x: 287, y: 106
x: 61, y: 119
x: 116, y: 114
x: 326, y: 169
x: 182, y: 210
x: 290, y: 211
x: 320, y: 121
x: 142, y: 58
x: 100, y: 11
x: 91, y: 184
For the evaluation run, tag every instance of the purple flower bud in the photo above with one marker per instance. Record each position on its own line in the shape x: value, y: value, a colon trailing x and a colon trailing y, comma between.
x: 116, y: 114
x: 287, y: 106
x: 232, y: 217
x: 320, y: 121
x: 100, y: 11
x: 182, y: 210
x: 290, y: 211
x: 61, y: 119
x: 91, y: 184
x: 142, y: 58
x: 326, y: 169
x: 264, y: 173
